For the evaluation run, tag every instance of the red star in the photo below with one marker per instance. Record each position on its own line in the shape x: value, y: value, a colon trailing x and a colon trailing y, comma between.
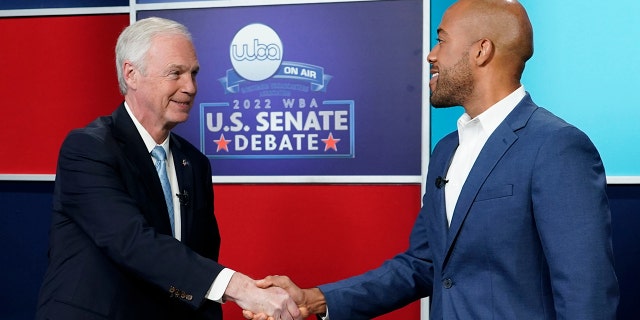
x: 222, y: 143
x: 330, y: 143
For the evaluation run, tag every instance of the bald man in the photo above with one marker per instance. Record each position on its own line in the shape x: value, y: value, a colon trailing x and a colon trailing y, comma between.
x: 515, y: 222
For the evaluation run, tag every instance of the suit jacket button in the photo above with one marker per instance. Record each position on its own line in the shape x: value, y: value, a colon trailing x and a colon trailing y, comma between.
x: 447, y: 283
x: 189, y: 297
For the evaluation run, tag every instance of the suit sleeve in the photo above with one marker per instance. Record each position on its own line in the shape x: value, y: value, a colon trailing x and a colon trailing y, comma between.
x: 396, y: 283
x: 573, y: 219
x: 93, y: 195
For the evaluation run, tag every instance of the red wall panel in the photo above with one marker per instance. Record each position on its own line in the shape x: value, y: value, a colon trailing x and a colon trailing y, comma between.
x: 58, y: 74
x: 314, y: 233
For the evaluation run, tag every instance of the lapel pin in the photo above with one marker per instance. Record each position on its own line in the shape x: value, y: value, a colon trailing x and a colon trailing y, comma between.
x: 185, y: 162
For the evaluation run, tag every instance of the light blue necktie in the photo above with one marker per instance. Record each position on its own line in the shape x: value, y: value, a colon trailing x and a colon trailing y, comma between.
x: 160, y: 155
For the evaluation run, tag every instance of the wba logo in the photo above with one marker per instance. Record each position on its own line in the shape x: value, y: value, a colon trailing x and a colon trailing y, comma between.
x: 256, y: 52
x: 259, y: 51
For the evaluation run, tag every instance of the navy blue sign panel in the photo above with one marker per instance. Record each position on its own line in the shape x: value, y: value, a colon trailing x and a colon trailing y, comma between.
x: 307, y: 89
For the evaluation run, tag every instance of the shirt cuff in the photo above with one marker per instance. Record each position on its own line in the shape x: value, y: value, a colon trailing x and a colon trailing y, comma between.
x: 219, y: 285
x: 324, y: 316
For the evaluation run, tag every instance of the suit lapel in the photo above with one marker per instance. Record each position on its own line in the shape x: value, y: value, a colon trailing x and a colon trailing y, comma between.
x: 142, y: 167
x: 441, y: 201
x: 184, y: 173
x: 494, y: 149
x: 439, y: 163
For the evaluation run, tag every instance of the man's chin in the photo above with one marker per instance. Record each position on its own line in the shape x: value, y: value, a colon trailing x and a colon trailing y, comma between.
x: 439, y: 103
x: 179, y: 118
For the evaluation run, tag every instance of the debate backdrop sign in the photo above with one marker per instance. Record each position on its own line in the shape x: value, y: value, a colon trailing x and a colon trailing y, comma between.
x: 330, y: 89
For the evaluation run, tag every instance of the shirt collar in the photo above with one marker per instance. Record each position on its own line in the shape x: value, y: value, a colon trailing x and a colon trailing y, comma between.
x: 146, y: 137
x: 491, y: 118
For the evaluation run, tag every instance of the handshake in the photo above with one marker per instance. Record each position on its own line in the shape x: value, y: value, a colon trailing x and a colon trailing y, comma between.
x: 274, y: 298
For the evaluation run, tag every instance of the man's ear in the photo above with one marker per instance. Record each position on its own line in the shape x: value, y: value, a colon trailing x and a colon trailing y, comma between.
x: 485, y: 50
x: 130, y: 74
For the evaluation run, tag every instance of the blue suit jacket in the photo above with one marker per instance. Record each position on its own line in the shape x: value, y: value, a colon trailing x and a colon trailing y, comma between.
x: 530, y: 237
x: 111, y: 252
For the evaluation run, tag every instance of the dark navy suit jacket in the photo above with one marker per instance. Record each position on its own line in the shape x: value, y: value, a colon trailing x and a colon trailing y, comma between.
x: 530, y: 237
x: 111, y: 252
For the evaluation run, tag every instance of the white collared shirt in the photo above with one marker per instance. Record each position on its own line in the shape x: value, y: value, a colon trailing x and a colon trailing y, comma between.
x: 472, y: 135
x: 219, y: 285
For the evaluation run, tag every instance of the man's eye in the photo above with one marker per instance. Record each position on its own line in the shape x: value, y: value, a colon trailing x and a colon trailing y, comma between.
x: 439, y: 41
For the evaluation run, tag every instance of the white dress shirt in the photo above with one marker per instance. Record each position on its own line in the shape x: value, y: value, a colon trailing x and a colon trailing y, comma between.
x: 220, y: 283
x: 472, y: 135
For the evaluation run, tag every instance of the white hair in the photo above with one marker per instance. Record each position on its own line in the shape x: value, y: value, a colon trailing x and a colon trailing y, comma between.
x: 135, y: 40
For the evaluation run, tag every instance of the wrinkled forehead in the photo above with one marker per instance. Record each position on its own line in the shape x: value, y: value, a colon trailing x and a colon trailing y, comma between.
x: 166, y: 50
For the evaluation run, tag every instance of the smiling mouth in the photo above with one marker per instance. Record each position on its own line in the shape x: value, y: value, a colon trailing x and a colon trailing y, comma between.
x: 183, y: 103
x: 434, y: 78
